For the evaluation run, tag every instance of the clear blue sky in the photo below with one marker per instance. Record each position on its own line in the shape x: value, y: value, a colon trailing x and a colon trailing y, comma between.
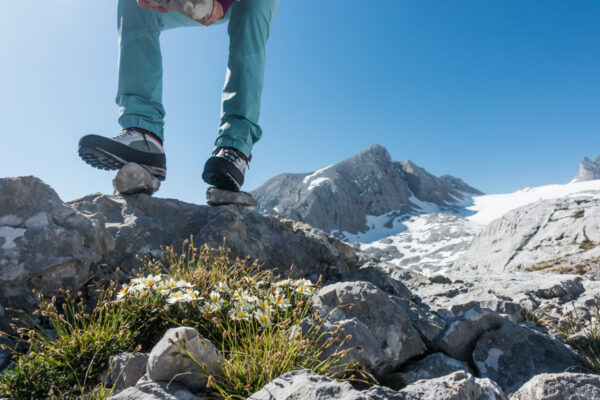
x: 504, y: 94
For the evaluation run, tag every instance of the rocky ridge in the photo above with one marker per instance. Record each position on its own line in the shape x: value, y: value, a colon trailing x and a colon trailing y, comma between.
x: 367, y: 184
x: 473, y: 321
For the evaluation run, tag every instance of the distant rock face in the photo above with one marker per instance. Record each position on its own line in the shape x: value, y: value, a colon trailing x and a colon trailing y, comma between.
x: 341, y: 196
x: 548, y: 234
x: 589, y: 170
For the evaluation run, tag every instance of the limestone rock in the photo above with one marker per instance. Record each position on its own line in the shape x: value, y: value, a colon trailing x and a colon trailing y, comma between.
x: 306, y: 385
x: 457, y: 386
x: 386, y: 336
x: 220, y: 197
x: 44, y: 244
x: 433, y: 366
x: 538, y: 236
x: 379, y: 278
x: 125, y: 370
x: 460, y: 337
x: 429, y: 324
x: 560, y: 386
x: 141, y: 224
x: 368, y: 183
x: 589, y: 170
x: 168, y: 361
x: 5, y: 355
x: 133, y: 179
x: 512, y: 355
x: 156, y: 391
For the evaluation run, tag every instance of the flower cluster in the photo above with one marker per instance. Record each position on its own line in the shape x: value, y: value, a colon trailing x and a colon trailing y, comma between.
x: 153, y: 285
x: 249, y: 300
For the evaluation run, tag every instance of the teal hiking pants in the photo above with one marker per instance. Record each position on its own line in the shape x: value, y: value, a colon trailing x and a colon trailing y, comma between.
x: 139, y: 94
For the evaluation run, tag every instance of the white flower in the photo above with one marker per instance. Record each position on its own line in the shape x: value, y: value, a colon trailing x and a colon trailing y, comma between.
x: 262, y: 317
x: 150, y: 280
x: 239, y: 315
x: 191, y: 295
x: 212, y: 307
x: 222, y: 287
x: 181, y: 284
x: 214, y: 296
x: 284, y: 283
x: 122, y: 292
x: 280, y: 302
x: 176, y: 298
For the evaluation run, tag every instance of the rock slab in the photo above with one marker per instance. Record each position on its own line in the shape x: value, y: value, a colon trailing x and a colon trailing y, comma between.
x: 220, y: 197
x: 459, y: 339
x: 559, y: 387
x: 513, y: 354
x: 457, y: 386
x: 433, y: 366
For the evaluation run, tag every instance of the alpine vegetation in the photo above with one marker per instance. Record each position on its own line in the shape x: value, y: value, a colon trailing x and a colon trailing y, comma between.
x: 252, y: 317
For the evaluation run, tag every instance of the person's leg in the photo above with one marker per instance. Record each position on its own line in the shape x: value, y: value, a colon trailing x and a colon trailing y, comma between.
x: 249, y: 22
x: 139, y: 93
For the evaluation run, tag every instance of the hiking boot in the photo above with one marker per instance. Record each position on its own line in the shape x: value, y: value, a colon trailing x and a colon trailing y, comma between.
x: 131, y: 145
x: 226, y: 169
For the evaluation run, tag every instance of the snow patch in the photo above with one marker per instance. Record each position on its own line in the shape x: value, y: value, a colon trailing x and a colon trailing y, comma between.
x: 308, y: 178
x: 316, y: 182
x: 487, y: 208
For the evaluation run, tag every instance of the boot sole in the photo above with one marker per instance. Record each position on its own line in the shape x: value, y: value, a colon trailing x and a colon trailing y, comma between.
x: 96, y: 151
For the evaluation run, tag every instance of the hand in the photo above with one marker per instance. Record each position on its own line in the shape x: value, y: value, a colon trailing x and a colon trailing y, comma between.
x: 217, y: 14
x: 144, y: 3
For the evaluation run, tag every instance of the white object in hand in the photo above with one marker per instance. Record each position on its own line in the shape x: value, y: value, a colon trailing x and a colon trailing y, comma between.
x: 194, y: 9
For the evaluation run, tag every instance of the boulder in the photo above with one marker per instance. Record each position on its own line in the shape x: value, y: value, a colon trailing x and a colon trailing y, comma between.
x: 44, y: 244
x: 512, y: 354
x: 560, y: 386
x: 382, y: 335
x: 426, y: 322
x: 133, y: 179
x: 379, y: 278
x: 157, y: 391
x: 460, y: 337
x: 457, y: 386
x: 168, y: 361
x: 125, y: 370
x: 306, y: 385
x: 220, y: 197
x: 433, y: 366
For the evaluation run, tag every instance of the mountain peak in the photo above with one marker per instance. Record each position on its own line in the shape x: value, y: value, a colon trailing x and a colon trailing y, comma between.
x: 341, y: 196
x: 589, y: 170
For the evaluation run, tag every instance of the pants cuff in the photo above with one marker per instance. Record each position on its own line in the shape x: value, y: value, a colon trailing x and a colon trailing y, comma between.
x: 236, y: 144
x: 139, y: 122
